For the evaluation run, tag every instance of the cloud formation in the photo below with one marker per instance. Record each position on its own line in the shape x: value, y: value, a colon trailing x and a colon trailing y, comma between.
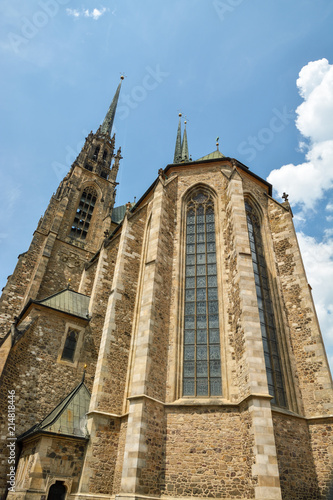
x: 94, y: 13
x: 317, y: 258
x: 307, y: 182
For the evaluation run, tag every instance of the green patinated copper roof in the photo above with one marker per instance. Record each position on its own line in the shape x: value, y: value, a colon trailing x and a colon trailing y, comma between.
x: 178, y: 148
x: 212, y: 156
x: 185, y: 155
x: 118, y: 213
x: 68, y: 418
x: 70, y: 302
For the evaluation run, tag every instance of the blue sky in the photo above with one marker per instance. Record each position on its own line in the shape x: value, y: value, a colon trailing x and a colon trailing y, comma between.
x: 230, y: 66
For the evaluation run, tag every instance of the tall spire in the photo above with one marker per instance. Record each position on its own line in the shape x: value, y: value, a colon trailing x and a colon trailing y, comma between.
x: 178, y: 149
x: 107, y: 124
x: 185, y: 155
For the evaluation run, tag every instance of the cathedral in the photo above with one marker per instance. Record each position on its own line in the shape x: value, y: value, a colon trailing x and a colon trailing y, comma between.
x: 164, y: 349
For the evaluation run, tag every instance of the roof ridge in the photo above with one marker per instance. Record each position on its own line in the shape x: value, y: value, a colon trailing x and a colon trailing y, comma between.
x: 69, y: 398
x: 58, y: 410
x: 58, y: 293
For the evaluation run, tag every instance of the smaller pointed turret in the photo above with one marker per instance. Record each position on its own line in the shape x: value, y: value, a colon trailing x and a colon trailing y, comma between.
x: 107, y: 124
x: 178, y: 149
x: 185, y: 155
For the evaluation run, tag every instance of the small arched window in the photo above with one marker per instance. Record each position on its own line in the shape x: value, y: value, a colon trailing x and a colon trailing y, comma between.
x: 83, y: 214
x: 266, y: 314
x: 70, y: 345
x: 202, y: 353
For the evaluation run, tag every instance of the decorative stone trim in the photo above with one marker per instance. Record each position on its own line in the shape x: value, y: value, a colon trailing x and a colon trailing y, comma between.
x: 105, y: 414
x: 140, y: 396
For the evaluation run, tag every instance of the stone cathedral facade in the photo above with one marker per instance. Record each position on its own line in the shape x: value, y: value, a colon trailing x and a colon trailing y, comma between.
x: 184, y: 356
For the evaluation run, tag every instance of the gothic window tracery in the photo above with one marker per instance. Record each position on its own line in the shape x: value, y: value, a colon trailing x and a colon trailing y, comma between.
x: 201, y: 358
x: 83, y: 214
x: 266, y: 314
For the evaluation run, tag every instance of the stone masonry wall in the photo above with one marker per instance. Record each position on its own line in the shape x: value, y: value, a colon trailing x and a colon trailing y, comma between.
x: 49, y: 457
x: 67, y: 259
x: 151, y: 476
x: 64, y: 457
x: 236, y: 330
x: 87, y: 279
x: 11, y: 301
x: 66, y: 263
x: 113, y: 393
x: 32, y: 369
x: 208, y: 453
x: 321, y: 438
x: 104, y: 450
x: 100, y: 292
x: 296, y: 465
x: 28, y: 457
x: 311, y: 366
x: 159, y: 347
x: 68, y: 197
x: 120, y: 456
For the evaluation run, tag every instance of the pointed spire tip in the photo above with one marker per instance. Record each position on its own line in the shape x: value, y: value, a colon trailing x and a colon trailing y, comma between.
x: 107, y: 124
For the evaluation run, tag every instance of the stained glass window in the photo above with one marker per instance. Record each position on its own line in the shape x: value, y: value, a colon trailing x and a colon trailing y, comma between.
x: 83, y: 214
x: 202, y: 358
x: 267, y: 323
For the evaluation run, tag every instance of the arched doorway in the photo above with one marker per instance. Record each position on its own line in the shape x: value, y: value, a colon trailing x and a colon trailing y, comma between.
x: 57, y: 491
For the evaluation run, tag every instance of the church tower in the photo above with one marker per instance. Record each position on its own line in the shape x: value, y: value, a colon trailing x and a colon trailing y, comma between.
x: 185, y: 358
x: 73, y: 227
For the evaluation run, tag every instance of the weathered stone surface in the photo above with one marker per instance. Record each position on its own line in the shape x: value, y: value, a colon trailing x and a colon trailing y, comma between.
x: 146, y: 439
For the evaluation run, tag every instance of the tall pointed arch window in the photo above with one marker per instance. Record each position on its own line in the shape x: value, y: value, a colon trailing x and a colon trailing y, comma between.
x: 83, y: 214
x: 202, y: 353
x: 267, y: 322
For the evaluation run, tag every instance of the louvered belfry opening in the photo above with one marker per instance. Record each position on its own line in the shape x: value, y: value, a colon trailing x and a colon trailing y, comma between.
x: 83, y: 214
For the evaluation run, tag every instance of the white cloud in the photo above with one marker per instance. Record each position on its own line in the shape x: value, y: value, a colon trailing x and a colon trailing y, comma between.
x: 318, y: 262
x: 73, y: 12
x: 307, y: 182
x: 315, y: 113
x: 311, y: 76
x: 94, y: 14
